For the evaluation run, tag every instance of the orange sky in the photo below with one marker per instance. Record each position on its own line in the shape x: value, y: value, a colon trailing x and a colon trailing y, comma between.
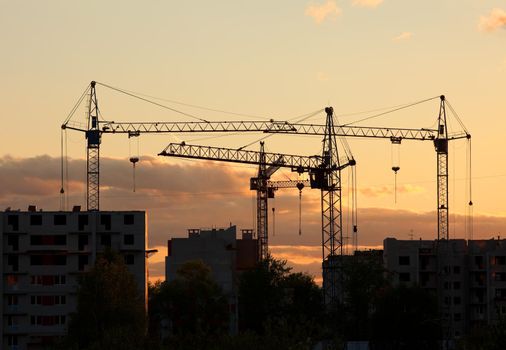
x: 269, y: 60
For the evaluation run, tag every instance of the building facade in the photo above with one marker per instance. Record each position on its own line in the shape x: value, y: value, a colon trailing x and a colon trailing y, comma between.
x: 219, y: 249
x: 43, y: 253
x: 468, y: 277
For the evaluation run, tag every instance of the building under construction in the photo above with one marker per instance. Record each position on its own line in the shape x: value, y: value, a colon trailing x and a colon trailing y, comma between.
x: 42, y: 255
x: 472, y: 288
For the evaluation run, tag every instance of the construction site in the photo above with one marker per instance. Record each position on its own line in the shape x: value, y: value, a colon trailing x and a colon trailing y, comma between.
x: 440, y: 265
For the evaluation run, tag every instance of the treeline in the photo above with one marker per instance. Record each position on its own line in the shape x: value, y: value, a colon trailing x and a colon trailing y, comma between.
x: 276, y: 309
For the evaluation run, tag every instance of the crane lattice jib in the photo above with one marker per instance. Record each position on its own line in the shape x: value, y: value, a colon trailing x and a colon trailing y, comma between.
x: 368, y: 132
x: 137, y: 128
x: 272, y: 126
x: 287, y: 183
x: 296, y: 163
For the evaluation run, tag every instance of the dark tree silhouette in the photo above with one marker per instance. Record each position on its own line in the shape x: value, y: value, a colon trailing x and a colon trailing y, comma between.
x: 110, y: 309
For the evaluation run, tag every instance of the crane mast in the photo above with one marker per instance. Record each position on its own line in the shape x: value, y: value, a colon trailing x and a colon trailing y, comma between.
x: 93, y: 137
x: 325, y: 173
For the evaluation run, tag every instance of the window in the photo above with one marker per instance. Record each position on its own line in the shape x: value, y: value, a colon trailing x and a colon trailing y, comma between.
x: 82, y: 261
x: 12, y: 340
x: 404, y: 260
x: 82, y: 220
x: 446, y: 285
x: 105, y: 219
x: 129, y: 259
x: 457, y: 301
x: 105, y: 239
x: 48, y: 320
x: 13, y: 220
x: 33, y: 300
x: 82, y: 242
x: 36, y: 260
x: 128, y: 219
x: 36, y: 220
x: 48, y: 240
x: 500, y: 276
x: 128, y: 239
x: 12, y: 280
x: 13, y: 241
x: 60, y: 219
x: 12, y: 300
x: 500, y: 260
x: 457, y: 317
x: 456, y: 270
x: 478, y: 260
x: 404, y: 277
x: 13, y: 260
x: 456, y: 285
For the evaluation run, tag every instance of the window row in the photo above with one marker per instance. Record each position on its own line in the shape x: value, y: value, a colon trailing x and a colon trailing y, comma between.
x: 48, y: 320
x: 48, y: 300
x: 48, y: 280
x: 61, y: 220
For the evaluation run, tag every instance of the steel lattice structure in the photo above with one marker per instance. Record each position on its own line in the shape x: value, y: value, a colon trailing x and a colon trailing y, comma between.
x: 328, y: 176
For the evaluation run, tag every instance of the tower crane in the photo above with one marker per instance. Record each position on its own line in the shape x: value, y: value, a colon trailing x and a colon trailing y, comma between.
x: 325, y: 174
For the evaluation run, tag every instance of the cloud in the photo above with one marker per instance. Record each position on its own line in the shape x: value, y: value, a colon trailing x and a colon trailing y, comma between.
x: 204, y: 194
x: 381, y: 191
x: 367, y: 3
x: 322, y: 76
x: 327, y: 10
x: 495, y: 20
x: 403, y: 36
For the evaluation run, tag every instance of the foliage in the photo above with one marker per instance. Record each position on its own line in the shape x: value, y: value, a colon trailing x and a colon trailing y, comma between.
x: 110, y: 309
x: 491, y: 337
x: 284, y: 308
x: 364, y: 281
x: 406, y: 318
x: 192, y: 305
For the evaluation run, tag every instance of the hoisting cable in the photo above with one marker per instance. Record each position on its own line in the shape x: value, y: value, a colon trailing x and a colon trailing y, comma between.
x: 133, y: 159
x: 152, y: 102
x: 300, y: 186
x: 391, y: 111
x: 354, y: 220
x: 395, y: 155
x: 470, y: 204
x: 66, y: 154
x: 303, y: 117
x: 274, y: 217
x: 193, y: 105
x: 76, y: 106
x: 62, y: 191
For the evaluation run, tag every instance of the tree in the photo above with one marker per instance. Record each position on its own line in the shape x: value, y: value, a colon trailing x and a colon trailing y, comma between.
x: 364, y: 281
x: 194, y: 306
x: 110, y: 308
x: 283, y: 309
x: 406, y: 318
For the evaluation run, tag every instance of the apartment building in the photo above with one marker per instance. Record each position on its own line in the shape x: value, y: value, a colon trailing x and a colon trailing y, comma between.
x: 470, y: 282
x: 43, y: 253
x: 219, y: 249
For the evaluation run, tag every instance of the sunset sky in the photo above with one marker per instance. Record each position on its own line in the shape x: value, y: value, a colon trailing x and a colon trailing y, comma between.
x: 260, y: 59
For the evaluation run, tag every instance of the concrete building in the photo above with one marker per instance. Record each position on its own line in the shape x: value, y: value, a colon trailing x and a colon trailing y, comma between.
x: 43, y: 253
x: 471, y: 286
x: 219, y: 249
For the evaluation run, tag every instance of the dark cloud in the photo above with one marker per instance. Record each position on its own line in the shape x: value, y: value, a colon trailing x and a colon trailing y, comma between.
x: 204, y: 194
